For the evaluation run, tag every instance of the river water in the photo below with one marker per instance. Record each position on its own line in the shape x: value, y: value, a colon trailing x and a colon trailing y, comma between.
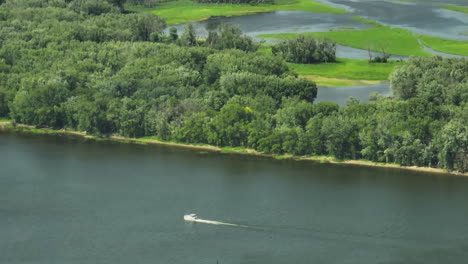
x: 340, y: 95
x: 421, y: 17
x: 69, y: 200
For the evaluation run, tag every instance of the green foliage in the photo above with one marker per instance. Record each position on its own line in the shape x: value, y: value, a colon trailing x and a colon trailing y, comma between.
x: 305, y: 50
x: 181, y: 11
x: 348, y: 68
x: 189, y: 37
x: 396, y: 41
x: 459, y: 47
x: 230, y: 37
x: 104, y: 74
x: 96, y: 7
x: 437, y: 80
x: 235, y: 1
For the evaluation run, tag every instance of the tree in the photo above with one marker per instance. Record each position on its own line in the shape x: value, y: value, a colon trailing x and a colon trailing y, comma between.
x: 189, y: 37
x: 341, y: 137
x: 230, y: 36
x: 305, y: 50
x: 173, y: 36
x: 118, y: 3
x: 453, y: 145
x: 232, y: 125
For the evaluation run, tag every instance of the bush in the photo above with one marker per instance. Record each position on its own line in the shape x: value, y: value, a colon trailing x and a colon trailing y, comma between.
x: 306, y: 50
x: 230, y: 37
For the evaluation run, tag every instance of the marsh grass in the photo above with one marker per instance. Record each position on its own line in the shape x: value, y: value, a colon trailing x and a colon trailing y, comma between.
x: 461, y: 9
x: 338, y: 82
x: 344, y: 72
x: 180, y: 11
x: 396, y: 41
x: 445, y: 45
x: 348, y: 69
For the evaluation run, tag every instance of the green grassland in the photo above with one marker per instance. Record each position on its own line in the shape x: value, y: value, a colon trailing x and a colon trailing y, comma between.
x: 338, y: 82
x: 344, y: 72
x: 462, y: 9
x: 395, y: 41
x: 445, y: 45
x: 347, y: 69
x: 180, y: 11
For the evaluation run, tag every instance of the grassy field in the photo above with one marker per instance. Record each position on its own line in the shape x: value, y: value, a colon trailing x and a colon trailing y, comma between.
x: 395, y: 41
x: 345, y: 72
x: 462, y: 9
x: 445, y: 45
x: 180, y: 11
x: 338, y: 82
x: 350, y: 69
x: 4, y: 120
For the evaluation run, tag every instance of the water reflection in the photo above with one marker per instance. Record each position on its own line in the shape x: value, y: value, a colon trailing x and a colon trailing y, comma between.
x: 340, y: 95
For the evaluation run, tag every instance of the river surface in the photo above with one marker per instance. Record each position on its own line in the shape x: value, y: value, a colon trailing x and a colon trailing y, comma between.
x: 69, y: 200
x: 340, y: 95
x: 423, y: 17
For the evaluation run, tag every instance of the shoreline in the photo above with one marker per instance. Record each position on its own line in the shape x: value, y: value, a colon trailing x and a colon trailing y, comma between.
x: 231, y: 150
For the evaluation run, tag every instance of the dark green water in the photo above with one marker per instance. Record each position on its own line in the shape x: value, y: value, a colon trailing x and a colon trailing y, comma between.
x: 65, y: 200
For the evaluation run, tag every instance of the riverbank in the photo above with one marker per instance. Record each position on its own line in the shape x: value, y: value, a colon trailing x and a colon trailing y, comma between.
x: 181, y: 11
x: 233, y: 150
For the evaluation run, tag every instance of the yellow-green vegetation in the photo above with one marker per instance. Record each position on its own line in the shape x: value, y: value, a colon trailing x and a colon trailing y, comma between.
x: 34, y: 130
x: 4, y: 120
x: 265, y: 48
x: 342, y: 28
x: 348, y: 69
x: 445, y: 45
x: 155, y: 139
x: 180, y: 11
x: 338, y: 82
x: 462, y: 9
x: 395, y: 41
x: 367, y: 21
x: 344, y: 72
x: 284, y: 157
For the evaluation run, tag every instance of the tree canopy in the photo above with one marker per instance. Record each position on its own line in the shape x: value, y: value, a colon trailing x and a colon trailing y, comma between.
x: 103, y: 72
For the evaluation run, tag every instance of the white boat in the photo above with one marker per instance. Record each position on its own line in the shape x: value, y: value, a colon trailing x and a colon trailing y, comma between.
x: 190, y: 217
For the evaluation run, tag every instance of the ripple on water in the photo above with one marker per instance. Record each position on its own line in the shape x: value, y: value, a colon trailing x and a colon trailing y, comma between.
x: 339, y: 95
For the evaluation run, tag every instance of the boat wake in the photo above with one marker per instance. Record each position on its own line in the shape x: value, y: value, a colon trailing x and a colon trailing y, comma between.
x: 194, y: 218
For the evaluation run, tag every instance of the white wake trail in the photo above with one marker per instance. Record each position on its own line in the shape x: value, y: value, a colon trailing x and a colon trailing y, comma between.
x: 194, y: 218
x: 217, y: 223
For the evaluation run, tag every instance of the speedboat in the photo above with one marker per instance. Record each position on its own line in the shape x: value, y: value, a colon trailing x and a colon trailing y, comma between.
x: 190, y: 217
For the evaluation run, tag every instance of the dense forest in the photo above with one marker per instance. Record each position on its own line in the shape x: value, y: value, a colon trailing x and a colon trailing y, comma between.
x: 153, y: 3
x: 85, y: 65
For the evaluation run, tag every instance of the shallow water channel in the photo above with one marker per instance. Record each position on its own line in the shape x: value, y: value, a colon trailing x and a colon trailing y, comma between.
x: 340, y: 95
x: 422, y: 17
x: 69, y: 200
